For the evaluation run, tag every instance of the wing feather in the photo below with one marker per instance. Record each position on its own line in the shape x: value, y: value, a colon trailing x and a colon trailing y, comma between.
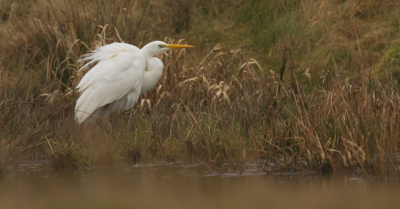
x: 111, y: 81
x: 106, y: 52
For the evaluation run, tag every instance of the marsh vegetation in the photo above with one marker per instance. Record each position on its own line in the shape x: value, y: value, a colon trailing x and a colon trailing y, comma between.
x: 306, y: 85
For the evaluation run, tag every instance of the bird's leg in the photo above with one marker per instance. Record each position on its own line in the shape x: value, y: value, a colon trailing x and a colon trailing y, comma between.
x: 111, y: 120
x: 98, y: 121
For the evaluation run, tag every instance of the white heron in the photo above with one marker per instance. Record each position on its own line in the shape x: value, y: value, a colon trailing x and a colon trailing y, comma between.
x: 123, y: 72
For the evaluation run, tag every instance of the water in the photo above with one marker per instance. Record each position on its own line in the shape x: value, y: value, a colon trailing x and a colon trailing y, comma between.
x: 32, y: 185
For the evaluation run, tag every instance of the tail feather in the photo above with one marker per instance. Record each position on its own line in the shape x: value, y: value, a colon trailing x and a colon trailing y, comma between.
x: 95, y: 115
x: 85, y: 106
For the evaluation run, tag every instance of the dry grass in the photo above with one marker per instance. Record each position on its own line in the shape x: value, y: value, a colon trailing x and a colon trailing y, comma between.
x: 338, y: 106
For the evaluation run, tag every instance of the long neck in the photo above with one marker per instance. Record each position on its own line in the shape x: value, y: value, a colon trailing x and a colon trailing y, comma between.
x: 154, y: 70
x: 149, y: 52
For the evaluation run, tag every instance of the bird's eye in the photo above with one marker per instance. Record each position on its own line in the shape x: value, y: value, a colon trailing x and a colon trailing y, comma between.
x: 161, y: 46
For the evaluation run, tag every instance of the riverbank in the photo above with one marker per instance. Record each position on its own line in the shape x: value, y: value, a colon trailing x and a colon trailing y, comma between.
x: 336, y: 108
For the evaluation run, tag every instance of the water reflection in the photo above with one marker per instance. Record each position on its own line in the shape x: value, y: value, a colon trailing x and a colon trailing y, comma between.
x: 31, y: 185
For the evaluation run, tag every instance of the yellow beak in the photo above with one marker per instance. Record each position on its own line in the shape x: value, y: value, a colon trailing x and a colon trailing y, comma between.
x: 177, y: 46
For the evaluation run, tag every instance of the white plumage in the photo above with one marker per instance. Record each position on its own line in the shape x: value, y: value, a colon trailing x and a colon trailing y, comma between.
x: 121, y: 74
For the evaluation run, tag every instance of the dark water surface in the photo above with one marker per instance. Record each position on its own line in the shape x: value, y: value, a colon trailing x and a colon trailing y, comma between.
x: 32, y: 185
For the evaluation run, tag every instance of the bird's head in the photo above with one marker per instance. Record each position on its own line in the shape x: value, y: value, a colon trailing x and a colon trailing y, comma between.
x: 158, y: 47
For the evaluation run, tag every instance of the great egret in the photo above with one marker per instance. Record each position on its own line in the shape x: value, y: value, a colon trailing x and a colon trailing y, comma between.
x: 122, y: 73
